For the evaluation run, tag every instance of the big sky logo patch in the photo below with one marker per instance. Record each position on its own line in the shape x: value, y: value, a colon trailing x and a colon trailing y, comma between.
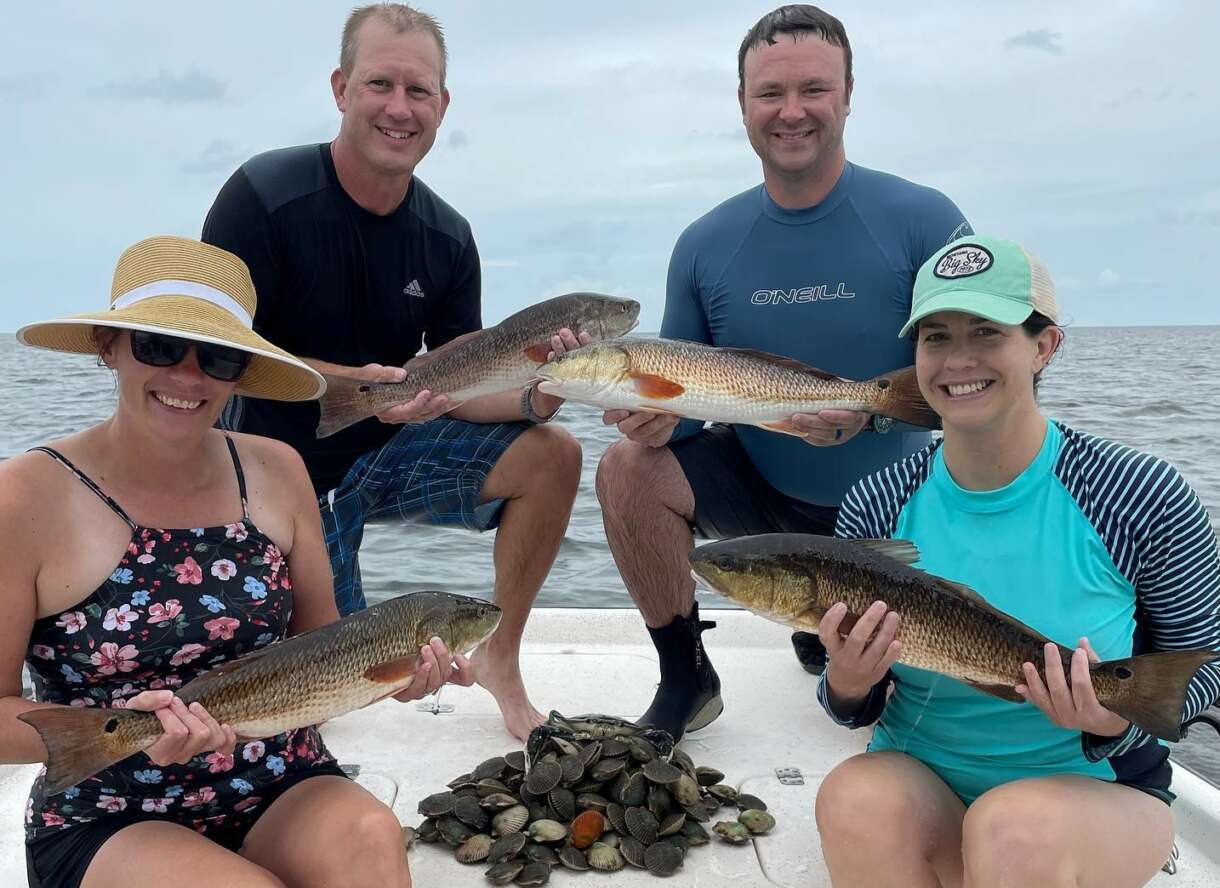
x: 964, y: 261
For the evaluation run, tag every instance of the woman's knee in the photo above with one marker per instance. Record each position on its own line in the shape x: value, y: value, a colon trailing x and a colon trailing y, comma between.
x: 860, y: 801
x: 1017, y: 829
x: 372, y: 848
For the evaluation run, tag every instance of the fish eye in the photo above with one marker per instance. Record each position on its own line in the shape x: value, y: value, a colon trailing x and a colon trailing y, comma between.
x: 1123, y: 672
x: 111, y: 726
x: 883, y: 384
x: 363, y: 388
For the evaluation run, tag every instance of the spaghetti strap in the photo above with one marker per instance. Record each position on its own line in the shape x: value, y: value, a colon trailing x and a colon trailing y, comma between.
x: 241, y: 478
x: 88, y: 482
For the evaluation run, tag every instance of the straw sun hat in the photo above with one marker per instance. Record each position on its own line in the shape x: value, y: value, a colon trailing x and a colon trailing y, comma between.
x: 181, y: 287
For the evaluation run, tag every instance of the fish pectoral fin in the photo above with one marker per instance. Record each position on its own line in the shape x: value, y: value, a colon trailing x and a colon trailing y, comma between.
x: 1003, y: 691
x: 651, y: 385
x: 808, y: 619
x: 903, y: 551
x: 392, y: 671
x: 539, y: 352
x: 783, y: 426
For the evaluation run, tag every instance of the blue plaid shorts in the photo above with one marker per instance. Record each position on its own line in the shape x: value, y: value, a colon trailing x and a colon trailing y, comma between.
x: 433, y: 472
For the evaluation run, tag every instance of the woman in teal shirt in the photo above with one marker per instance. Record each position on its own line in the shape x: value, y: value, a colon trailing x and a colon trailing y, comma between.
x: 1101, y: 548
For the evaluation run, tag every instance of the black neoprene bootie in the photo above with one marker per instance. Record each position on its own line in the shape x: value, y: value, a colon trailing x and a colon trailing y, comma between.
x: 810, y: 651
x: 688, y: 697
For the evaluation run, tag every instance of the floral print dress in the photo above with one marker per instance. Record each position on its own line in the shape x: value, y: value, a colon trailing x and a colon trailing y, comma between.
x: 179, y: 603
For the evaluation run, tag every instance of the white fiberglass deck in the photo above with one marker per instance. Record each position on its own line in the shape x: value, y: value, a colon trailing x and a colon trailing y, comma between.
x: 581, y: 661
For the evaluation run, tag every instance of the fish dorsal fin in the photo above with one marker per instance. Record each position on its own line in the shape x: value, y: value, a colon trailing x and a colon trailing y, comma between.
x: 781, y: 361
x: 902, y: 551
x: 978, y: 600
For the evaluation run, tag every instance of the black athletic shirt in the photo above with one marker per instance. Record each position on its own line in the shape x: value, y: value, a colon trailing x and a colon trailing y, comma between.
x: 340, y: 284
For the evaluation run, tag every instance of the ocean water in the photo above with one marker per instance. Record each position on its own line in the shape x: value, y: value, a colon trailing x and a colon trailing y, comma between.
x: 1150, y: 387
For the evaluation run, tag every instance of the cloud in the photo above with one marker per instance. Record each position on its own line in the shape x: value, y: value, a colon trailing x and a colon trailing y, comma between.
x: 218, y: 157
x: 191, y: 86
x: 458, y: 139
x: 1109, y: 278
x: 500, y: 263
x: 1043, y: 39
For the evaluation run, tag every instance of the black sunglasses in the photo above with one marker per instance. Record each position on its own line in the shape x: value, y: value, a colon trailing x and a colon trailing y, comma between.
x: 221, y: 362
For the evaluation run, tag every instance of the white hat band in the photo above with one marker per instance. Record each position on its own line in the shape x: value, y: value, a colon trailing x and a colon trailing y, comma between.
x: 218, y: 298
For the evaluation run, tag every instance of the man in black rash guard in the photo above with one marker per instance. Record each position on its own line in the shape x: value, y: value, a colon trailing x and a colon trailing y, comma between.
x: 357, y: 263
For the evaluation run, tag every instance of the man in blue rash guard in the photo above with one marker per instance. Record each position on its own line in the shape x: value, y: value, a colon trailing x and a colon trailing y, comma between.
x: 817, y: 263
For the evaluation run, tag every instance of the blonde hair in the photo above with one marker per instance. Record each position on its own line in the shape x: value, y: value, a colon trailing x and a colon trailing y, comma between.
x: 401, y: 18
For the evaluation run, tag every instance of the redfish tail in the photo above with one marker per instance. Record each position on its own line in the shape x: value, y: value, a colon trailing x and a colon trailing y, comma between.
x: 74, y: 741
x: 345, y: 403
x: 902, y: 399
x: 1152, y: 688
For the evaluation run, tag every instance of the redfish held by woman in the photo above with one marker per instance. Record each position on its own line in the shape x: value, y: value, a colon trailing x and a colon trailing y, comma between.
x: 303, y: 680
x: 945, y: 627
x: 717, y: 384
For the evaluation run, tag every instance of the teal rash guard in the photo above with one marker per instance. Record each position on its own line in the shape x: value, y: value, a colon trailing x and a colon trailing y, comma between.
x: 829, y: 285
x: 1092, y: 539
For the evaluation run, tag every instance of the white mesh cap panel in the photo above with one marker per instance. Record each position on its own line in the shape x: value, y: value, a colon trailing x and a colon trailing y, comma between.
x: 1041, y: 288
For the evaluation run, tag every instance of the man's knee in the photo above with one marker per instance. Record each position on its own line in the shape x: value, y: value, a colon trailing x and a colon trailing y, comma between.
x: 630, y: 474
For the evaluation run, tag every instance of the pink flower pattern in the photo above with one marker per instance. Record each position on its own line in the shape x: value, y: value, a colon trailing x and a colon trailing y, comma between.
x: 139, y: 631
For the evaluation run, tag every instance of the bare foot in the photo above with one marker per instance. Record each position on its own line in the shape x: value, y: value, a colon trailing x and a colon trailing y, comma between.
x: 502, y: 677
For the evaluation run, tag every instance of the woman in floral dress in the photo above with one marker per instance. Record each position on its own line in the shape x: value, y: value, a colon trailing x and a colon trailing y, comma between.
x: 135, y: 555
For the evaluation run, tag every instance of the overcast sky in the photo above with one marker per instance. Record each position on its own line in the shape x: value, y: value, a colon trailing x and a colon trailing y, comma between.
x: 583, y: 137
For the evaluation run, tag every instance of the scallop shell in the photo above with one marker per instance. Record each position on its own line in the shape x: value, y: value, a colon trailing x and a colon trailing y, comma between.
x: 605, y: 858
x: 641, y: 749
x: 590, y: 753
x: 607, y: 768
x: 614, y: 813
x: 493, y: 767
x: 540, y: 811
x: 612, y: 747
x: 503, y: 873
x: 587, y: 828
x: 663, y: 859
x: 732, y: 832
x: 474, y: 849
x: 428, y: 831
x: 409, y: 837
x: 437, y: 804
x: 535, y: 873
x: 464, y: 780
x: 571, y: 769
x: 630, y: 789
x: 541, y: 854
x: 563, y: 803
x: 747, y: 802
x: 708, y: 776
x: 683, y: 761
x: 515, y: 761
x: 661, y: 772
x: 633, y: 851
x: 695, y: 834
x: 758, y: 822
x: 724, y: 792
x: 543, y: 777
x: 612, y: 839
x: 641, y: 824
x: 660, y: 802
x: 548, y: 831
x: 573, y: 858
x: 453, y: 831
x: 490, y: 786
x: 470, y: 812
x: 672, y: 824
x: 498, y: 801
x: 564, y: 747
x: 510, y: 820
x: 506, y: 847
x: 686, y: 791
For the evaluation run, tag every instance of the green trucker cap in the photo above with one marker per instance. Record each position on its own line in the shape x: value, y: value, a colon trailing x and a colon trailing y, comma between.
x: 985, y: 276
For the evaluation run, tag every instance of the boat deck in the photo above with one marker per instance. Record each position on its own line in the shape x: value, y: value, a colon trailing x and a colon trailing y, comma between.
x: 579, y: 661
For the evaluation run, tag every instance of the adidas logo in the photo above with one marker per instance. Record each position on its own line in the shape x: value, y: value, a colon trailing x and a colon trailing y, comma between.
x: 413, y: 289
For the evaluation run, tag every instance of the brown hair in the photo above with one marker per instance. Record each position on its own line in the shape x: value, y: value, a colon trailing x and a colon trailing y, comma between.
x: 401, y: 18
x: 797, y: 19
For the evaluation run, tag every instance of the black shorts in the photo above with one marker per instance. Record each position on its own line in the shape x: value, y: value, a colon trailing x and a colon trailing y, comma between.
x: 731, y: 497
x: 61, y: 859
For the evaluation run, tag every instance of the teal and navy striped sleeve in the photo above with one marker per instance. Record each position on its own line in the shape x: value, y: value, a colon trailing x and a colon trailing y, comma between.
x: 1160, y: 538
